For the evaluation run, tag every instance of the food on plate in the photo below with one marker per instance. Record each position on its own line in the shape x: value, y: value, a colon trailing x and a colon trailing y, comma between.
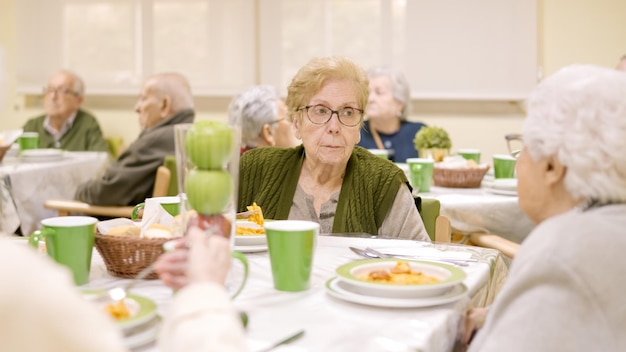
x: 118, y: 310
x: 159, y: 231
x: 125, y: 231
x: 256, y: 218
x: 401, y: 274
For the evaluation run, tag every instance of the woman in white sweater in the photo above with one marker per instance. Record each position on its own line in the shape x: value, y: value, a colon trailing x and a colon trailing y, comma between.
x: 565, y: 290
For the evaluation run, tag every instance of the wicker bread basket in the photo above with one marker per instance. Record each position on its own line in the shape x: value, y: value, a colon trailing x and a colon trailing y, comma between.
x: 459, y: 178
x: 3, y: 151
x: 127, y: 256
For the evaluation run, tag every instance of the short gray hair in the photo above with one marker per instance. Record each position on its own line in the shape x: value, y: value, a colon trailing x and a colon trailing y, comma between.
x: 78, y: 86
x: 579, y: 115
x: 399, y: 85
x: 252, y: 109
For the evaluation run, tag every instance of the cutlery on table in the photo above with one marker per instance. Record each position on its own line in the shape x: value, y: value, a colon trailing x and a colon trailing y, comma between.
x: 372, y: 253
x: 285, y: 341
x: 245, y: 214
x: 119, y: 293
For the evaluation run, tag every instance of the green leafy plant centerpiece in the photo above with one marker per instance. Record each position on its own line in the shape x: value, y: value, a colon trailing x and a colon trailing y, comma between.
x: 432, y: 142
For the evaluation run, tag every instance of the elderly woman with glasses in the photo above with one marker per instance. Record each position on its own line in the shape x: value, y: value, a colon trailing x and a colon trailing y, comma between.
x: 328, y: 179
x: 565, y: 289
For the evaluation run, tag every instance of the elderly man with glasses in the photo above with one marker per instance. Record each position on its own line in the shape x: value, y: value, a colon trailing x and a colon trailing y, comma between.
x: 65, y: 125
x: 328, y: 179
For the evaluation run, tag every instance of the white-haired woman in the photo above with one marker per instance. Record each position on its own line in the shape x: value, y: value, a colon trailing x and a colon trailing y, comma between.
x: 263, y: 118
x: 388, y: 107
x: 565, y: 290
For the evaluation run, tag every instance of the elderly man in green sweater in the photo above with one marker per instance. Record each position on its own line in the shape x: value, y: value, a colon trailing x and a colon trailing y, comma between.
x: 65, y: 125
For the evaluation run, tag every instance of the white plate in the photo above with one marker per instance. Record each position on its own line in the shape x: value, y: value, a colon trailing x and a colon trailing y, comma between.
x: 344, y: 291
x: 41, y: 155
x: 146, y: 334
x: 251, y: 249
x: 508, y: 184
x: 502, y: 192
x: 447, y: 274
x: 250, y: 240
x: 142, y: 309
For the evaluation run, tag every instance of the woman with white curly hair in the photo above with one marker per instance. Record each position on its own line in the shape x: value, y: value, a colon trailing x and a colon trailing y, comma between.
x: 565, y: 290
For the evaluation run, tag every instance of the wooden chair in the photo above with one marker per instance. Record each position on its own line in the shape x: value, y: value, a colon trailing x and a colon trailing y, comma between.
x: 489, y: 240
x: 66, y: 207
x: 437, y: 226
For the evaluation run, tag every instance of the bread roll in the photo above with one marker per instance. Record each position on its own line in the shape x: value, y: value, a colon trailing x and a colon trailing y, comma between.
x: 125, y: 231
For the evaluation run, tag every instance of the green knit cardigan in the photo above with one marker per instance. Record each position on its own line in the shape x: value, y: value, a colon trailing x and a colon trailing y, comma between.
x: 269, y: 176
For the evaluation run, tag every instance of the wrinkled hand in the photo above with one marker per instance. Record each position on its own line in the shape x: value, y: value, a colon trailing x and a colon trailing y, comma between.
x: 196, y: 258
x: 474, y: 320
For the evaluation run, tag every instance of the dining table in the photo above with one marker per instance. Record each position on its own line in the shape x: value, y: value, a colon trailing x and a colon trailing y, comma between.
x: 332, y: 322
x: 26, y: 183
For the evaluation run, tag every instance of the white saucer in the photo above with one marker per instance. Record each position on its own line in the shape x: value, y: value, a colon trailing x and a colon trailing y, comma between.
x: 502, y: 192
x: 251, y: 249
x: 41, y: 155
x: 344, y: 291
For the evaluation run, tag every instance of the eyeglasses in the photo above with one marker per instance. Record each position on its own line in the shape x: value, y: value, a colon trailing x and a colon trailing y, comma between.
x: 58, y: 90
x: 321, y: 114
x: 514, y: 143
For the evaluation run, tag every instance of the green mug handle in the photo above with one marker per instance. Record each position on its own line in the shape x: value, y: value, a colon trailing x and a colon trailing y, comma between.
x: 242, y: 258
x: 135, y: 213
x: 39, y: 235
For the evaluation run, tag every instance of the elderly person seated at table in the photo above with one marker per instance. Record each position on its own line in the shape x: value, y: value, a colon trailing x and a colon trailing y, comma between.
x: 565, y: 290
x: 328, y: 179
x: 263, y: 119
x: 65, y: 125
x: 388, y: 107
x: 165, y: 101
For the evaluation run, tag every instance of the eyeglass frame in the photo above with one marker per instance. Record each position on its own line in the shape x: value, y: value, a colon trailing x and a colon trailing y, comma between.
x: 513, y: 137
x: 332, y: 112
x: 59, y: 90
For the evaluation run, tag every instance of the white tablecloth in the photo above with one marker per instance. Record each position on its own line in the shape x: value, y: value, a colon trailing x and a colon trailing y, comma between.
x: 477, y: 210
x: 332, y: 324
x: 25, y: 186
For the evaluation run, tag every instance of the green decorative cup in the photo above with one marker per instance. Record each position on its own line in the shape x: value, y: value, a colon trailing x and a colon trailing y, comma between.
x: 382, y: 153
x: 291, y: 244
x: 170, y: 204
x: 503, y: 166
x: 470, y: 154
x: 69, y: 241
x: 421, y: 173
x: 28, y: 140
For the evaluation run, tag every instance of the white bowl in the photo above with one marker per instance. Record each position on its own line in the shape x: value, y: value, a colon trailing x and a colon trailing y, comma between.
x: 447, y: 274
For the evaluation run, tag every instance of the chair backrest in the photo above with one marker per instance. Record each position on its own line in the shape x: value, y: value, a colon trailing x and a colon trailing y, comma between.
x: 170, y: 163
x: 161, y: 182
x: 429, y: 213
x: 115, y: 146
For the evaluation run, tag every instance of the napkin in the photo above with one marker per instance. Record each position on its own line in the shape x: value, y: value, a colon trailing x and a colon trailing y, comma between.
x: 153, y: 213
x: 8, y: 137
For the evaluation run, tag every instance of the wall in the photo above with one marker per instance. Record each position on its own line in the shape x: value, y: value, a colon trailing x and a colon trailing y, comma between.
x: 588, y: 31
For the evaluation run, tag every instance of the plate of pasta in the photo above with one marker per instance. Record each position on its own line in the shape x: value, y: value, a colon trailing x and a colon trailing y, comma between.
x: 248, y: 233
x: 391, y: 277
x: 128, y: 313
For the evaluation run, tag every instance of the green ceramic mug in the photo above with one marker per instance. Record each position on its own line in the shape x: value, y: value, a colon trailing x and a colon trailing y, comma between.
x: 170, y: 204
x: 470, y: 154
x: 69, y: 241
x: 291, y: 244
x: 503, y: 166
x: 28, y: 140
x: 169, y: 246
x: 421, y: 173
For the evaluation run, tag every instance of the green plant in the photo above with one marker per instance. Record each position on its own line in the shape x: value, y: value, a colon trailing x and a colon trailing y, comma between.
x: 432, y: 137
